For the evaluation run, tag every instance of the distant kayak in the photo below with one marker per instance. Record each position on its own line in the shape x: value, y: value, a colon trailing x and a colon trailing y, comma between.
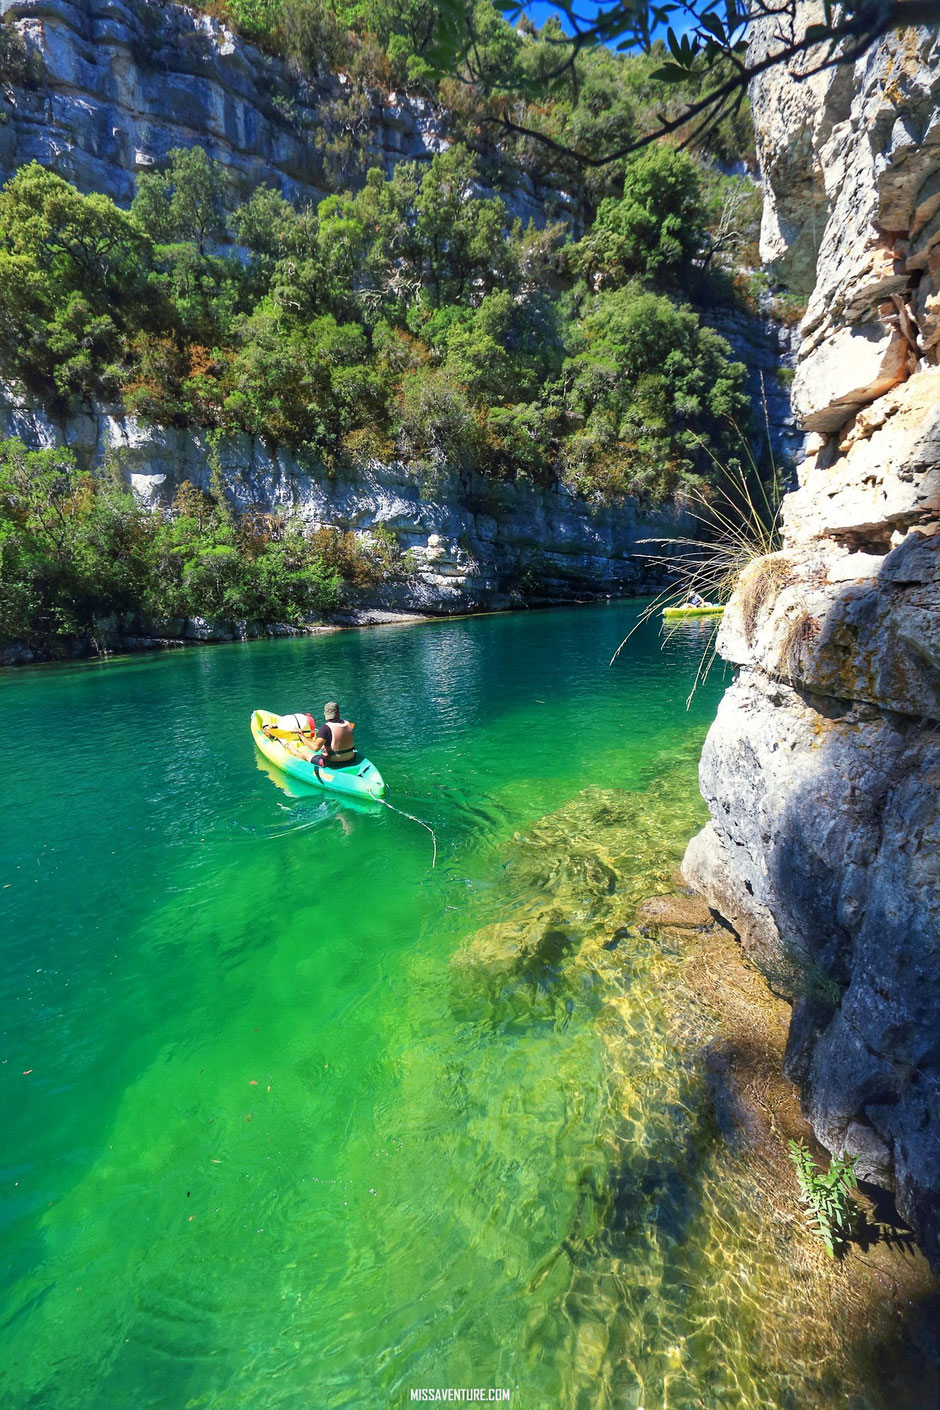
x: 359, y: 780
x: 674, y: 614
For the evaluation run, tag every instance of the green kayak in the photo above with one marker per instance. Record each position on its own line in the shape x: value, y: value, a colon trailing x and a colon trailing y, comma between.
x: 359, y: 780
x: 677, y: 614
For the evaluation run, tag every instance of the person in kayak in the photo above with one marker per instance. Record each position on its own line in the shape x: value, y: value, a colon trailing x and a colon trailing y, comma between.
x: 694, y: 600
x: 335, y: 738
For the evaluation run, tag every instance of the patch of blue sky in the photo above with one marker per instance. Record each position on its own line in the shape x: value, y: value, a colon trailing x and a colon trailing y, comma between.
x: 682, y: 20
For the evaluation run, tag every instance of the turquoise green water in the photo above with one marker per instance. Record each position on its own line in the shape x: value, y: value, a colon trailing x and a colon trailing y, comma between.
x: 261, y: 1151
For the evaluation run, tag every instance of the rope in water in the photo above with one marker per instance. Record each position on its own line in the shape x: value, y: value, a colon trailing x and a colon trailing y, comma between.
x: 385, y: 803
x: 401, y: 812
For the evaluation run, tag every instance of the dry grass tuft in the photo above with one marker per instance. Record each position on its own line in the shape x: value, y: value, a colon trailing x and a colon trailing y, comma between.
x: 739, y: 518
x: 758, y: 588
x: 799, y: 632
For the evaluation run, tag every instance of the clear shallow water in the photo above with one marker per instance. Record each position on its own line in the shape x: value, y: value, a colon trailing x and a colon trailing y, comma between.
x: 265, y: 1146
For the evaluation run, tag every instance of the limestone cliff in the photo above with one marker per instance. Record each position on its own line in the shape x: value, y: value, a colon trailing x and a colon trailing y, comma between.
x: 472, y: 542
x: 822, y: 770
x: 125, y: 81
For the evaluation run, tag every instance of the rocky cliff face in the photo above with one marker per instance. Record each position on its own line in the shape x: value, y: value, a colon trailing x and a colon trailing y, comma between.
x: 125, y: 81
x: 472, y: 542
x: 822, y: 771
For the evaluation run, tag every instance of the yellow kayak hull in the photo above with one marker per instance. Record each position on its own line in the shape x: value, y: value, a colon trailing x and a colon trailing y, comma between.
x: 678, y: 614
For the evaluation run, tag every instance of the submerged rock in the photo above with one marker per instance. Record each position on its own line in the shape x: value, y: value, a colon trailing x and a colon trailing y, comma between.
x: 676, y: 912
x: 571, y: 884
x: 515, y: 949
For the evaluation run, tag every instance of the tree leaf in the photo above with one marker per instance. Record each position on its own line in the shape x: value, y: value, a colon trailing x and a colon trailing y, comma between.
x: 713, y: 25
x: 670, y: 73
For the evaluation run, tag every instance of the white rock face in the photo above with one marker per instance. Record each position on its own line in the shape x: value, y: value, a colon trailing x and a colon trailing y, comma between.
x: 126, y: 81
x: 822, y: 770
x: 880, y: 474
x: 851, y: 626
x: 794, y: 122
x: 852, y: 215
x: 471, y: 540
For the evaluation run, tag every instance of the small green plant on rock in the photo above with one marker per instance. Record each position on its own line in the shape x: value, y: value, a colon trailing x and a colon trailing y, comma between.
x: 828, y: 1197
x: 19, y: 62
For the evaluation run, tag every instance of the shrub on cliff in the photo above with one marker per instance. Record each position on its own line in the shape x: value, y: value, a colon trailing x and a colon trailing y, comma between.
x: 303, y: 385
x: 73, y: 285
x: 76, y: 549
x: 504, y: 349
x: 19, y: 62
x: 71, y: 547
x: 654, y: 229
x: 185, y: 202
x: 435, y: 420
x: 649, y: 390
x: 519, y: 93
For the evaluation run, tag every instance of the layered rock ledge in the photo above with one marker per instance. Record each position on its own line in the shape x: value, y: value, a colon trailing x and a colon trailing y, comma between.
x: 822, y: 770
x: 125, y: 81
x: 471, y: 542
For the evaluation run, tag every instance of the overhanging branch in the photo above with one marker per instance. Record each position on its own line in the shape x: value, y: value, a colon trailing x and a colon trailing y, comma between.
x: 843, y: 42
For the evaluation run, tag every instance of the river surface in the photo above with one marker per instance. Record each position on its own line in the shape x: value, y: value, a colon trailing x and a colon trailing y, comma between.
x: 265, y: 1146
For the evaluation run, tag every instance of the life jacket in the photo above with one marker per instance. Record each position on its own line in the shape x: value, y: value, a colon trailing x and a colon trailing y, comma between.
x: 341, y: 749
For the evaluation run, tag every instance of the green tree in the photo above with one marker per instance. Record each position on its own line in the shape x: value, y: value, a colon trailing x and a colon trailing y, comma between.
x: 289, y: 580
x: 73, y: 284
x: 650, y: 391
x: 654, y: 229
x: 309, y: 35
x: 19, y: 61
x: 185, y: 203
x: 272, y: 230
x: 460, y: 239
x: 307, y: 384
x: 504, y: 348
x: 406, y: 30
x: 435, y: 420
x: 70, y: 545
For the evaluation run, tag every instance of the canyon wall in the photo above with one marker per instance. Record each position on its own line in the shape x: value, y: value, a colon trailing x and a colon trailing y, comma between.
x: 125, y: 81
x: 822, y: 770
x: 473, y: 542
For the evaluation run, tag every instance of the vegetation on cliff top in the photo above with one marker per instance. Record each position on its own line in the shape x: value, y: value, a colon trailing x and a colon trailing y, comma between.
x: 401, y: 319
